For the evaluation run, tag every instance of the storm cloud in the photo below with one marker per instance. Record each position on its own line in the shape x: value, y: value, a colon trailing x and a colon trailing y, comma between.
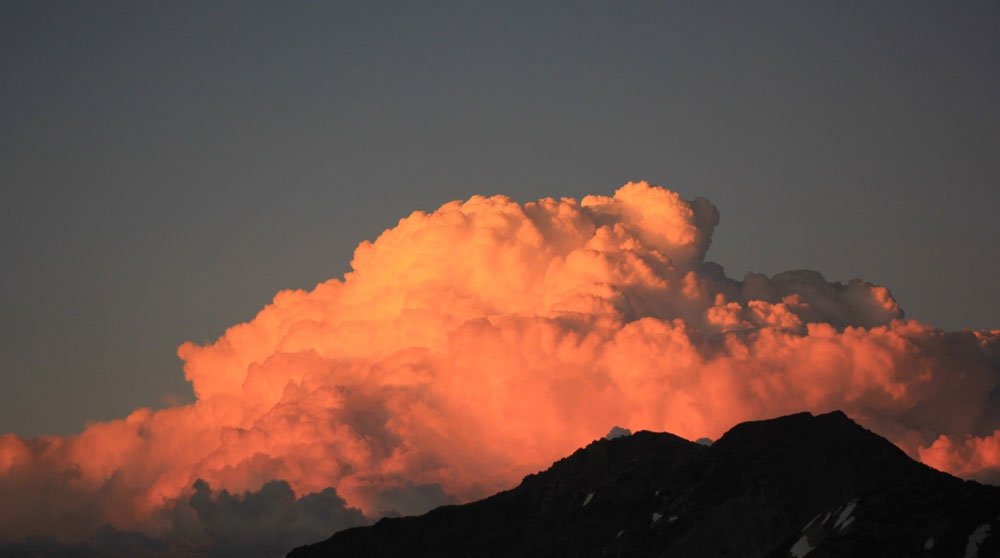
x: 479, y: 342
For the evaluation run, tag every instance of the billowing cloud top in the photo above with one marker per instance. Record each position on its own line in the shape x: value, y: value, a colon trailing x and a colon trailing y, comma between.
x: 478, y: 343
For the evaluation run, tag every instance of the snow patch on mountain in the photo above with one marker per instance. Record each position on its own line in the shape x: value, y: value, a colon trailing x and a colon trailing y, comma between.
x: 801, y: 547
x: 845, y: 518
x: 976, y: 540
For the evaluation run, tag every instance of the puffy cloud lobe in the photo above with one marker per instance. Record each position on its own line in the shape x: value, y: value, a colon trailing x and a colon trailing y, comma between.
x: 969, y: 456
x: 477, y: 343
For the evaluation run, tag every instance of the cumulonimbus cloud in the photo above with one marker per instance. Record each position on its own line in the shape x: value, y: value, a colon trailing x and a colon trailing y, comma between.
x: 477, y: 343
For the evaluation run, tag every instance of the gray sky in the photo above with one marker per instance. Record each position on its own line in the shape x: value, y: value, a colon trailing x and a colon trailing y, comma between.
x: 167, y: 167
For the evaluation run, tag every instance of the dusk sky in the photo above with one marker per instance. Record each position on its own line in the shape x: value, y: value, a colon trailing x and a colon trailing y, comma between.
x: 167, y: 168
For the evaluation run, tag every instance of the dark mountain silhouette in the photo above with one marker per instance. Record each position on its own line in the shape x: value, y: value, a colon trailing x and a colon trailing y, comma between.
x: 793, y: 486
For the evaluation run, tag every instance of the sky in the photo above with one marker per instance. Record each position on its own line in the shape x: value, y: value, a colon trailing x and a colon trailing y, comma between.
x: 167, y: 168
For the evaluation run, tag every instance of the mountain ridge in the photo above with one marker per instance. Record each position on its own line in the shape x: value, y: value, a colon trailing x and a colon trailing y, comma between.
x: 802, y: 484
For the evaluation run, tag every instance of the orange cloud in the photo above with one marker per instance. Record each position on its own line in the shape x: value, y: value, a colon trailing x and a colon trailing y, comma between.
x: 967, y: 456
x: 478, y: 343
